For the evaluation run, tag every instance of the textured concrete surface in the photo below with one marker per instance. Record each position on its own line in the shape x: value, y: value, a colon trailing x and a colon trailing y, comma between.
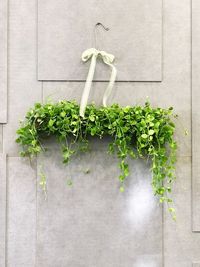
x: 21, y: 213
x: 66, y: 29
x: 24, y: 89
x: 91, y: 223
x: 196, y: 115
x: 181, y: 246
x: 3, y: 61
x: 1, y: 138
x: 2, y: 209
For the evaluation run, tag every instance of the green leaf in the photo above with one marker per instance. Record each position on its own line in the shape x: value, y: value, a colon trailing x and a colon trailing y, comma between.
x: 51, y: 122
x: 63, y: 114
x: 171, y: 210
x: 92, y: 118
x: 69, y: 183
x: 121, y: 189
x: 144, y: 136
x: 151, y: 132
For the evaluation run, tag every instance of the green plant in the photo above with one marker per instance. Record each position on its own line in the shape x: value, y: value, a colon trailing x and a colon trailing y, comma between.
x: 139, y: 131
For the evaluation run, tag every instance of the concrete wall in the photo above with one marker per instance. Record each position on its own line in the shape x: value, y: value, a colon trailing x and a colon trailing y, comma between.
x: 92, y: 224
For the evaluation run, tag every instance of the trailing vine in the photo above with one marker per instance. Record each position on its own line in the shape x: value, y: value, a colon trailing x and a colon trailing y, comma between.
x: 139, y: 131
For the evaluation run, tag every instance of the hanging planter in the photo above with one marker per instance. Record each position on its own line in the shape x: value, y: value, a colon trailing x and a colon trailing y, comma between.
x: 139, y: 131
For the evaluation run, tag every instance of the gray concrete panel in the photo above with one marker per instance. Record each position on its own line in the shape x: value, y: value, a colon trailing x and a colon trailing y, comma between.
x: 21, y: 213
x: 66, y: 29
x: 3, y: 60
x: 91, y: 223
x: 2, y: 210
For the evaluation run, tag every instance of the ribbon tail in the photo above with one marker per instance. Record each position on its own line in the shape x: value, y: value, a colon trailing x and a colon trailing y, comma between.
x: 87, y: 87
x: 110, y: 85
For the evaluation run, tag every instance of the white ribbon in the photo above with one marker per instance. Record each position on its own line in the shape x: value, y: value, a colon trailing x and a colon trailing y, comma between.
x: 108, y: 60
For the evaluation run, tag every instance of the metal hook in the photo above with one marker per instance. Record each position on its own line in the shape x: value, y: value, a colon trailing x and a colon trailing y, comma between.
x: 95, y: 31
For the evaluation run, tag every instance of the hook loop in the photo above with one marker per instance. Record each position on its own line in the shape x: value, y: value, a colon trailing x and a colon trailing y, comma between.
x: 95, y: 32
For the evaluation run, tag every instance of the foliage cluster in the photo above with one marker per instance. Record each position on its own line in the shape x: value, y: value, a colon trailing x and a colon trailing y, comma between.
x: 139, y: 131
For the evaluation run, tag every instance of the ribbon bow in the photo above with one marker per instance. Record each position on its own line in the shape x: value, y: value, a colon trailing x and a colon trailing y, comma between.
x: 108, y: 59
